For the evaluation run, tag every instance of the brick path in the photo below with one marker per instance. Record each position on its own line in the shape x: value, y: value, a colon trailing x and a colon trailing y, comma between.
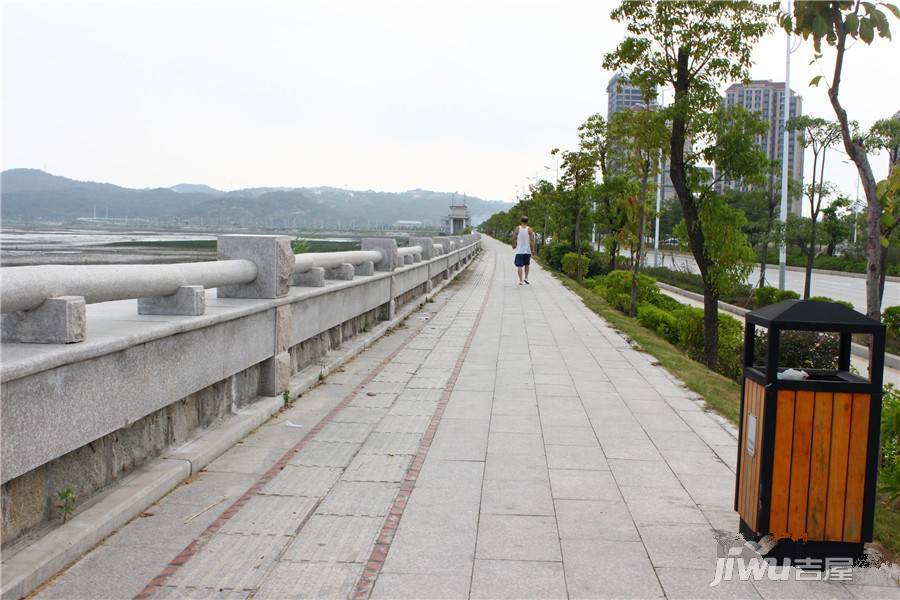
x: 505, y: 443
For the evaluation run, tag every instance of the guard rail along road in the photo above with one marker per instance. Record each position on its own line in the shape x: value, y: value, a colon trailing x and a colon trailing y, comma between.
x: 95, y: 384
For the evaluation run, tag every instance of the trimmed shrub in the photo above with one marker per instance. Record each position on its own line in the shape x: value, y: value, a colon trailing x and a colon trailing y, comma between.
x: 658, y: 320
x: 801, y: 349
x: 839, y: 263
x: 891, y: 318
x: 619, y: 282
x: 690, y: 337
x: 683, y: 279
x: 619, y: 301
x: 765, y: 295
x: 667, y: 303
x: 786, y: 295
x: 598, y: 266
x: 827, y: 299
x: 553, y: 253
x: 592, y: 282
x: 572, y: 263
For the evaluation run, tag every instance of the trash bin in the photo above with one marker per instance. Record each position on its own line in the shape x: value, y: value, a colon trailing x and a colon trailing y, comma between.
x: 808, y: 449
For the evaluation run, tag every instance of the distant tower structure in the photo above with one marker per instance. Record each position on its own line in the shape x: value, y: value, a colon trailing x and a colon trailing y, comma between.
x: 459, y: 217
x: 766, y: 97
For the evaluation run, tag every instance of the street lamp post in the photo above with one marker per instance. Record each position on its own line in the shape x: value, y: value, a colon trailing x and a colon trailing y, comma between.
x: 782, y: 249
x: 659, y: 195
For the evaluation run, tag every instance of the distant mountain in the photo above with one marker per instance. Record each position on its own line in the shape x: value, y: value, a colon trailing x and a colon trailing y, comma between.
x: 195, y: 188
x: 30, y: 195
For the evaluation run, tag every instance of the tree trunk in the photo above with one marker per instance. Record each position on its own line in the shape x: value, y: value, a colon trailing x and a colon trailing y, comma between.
x: 710, y: 325
x: 810, y: 252
x: 635, y: 263
x: 576, y: 243
x: 543, y: 236
x: 770, y: 221
x: 762, y: 263
x: 857, y: 153
x: 810, y: 258
x: 690, y: 210
x: 613, y: 254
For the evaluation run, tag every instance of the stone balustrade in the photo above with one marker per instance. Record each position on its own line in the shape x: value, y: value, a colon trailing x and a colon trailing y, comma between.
x: 46, y: 304
x: 165, y: 350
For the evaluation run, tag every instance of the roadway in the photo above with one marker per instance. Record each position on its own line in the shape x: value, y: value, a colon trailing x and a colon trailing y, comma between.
x: 838, y: 287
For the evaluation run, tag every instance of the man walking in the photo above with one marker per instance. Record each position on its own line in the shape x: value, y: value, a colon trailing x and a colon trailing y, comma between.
x: 523, y: 244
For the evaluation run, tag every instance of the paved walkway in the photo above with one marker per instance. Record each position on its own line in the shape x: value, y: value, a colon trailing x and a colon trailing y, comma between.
x: 505, y: 443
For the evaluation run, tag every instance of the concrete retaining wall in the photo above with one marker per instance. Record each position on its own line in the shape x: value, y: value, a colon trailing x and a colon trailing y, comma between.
x: 81, y: 415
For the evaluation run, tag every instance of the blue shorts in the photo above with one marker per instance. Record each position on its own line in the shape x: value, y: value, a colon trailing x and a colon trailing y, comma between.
x: 523, y: 260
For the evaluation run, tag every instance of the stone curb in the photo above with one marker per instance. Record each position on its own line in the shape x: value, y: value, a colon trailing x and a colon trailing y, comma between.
x: 890, y: 360
x: 36, y: 563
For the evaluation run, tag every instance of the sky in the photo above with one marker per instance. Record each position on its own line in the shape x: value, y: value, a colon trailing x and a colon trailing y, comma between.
x: 457, y: 96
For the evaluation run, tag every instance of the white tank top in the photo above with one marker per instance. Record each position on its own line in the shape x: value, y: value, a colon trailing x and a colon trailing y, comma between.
x: 523, y: 244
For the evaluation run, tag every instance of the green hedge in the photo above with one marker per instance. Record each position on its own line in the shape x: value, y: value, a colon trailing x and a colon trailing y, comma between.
x: 619, y: 282
x: 686, y: 281
x: 665, y: 302
x: 800, y: 349
x: 765, y: 295
x: 690, y: 338
x: 891, y: 318
x: 659, y: 320
x: 571, y: 263
x: 827, y: 299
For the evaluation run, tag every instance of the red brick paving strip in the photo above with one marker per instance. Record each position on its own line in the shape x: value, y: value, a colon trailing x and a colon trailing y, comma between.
x: 386, y: 536
x: 203, y: 538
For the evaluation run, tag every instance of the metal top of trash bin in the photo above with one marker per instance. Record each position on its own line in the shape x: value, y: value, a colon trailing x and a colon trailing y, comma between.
x: 814, y: 315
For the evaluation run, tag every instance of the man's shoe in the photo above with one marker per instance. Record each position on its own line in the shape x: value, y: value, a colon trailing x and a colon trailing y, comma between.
x: 526, y: 281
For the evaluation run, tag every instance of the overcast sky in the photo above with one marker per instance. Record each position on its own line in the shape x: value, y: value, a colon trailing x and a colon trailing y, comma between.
x: 465, y: 96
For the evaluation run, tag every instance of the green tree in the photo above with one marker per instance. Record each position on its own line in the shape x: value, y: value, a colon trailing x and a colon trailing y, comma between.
x: 578, y: 188
x: 695, y: 47
x: 815, y: 193
x: 834, y: 22
x: 760, y: 205
x: 885, y: 135
x: 643, y: 136
x: 818, y: 135
x: 612, y: 214
x: 836, y: 223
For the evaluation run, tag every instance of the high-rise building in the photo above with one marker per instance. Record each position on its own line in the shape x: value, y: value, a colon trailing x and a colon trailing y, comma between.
x: 767, y: 98
x: 623, y: 95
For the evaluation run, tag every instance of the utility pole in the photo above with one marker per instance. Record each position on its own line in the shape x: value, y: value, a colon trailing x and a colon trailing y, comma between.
x: 659, y: 194
x: 782, y: 249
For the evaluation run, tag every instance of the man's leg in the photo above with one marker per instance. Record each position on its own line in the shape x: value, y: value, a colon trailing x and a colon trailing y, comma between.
x: 519, y: 271
x: 526, y: 272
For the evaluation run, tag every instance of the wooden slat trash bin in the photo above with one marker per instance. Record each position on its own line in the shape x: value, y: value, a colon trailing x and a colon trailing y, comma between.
x: 808, y: 449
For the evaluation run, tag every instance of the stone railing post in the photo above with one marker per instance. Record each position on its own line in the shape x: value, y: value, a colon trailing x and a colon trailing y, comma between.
x: 274, y: 262
x: 428, y: 253
x: 189, y: 300
x: 60, y: 320
x: 390, y: 259
x: 343, y: 271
